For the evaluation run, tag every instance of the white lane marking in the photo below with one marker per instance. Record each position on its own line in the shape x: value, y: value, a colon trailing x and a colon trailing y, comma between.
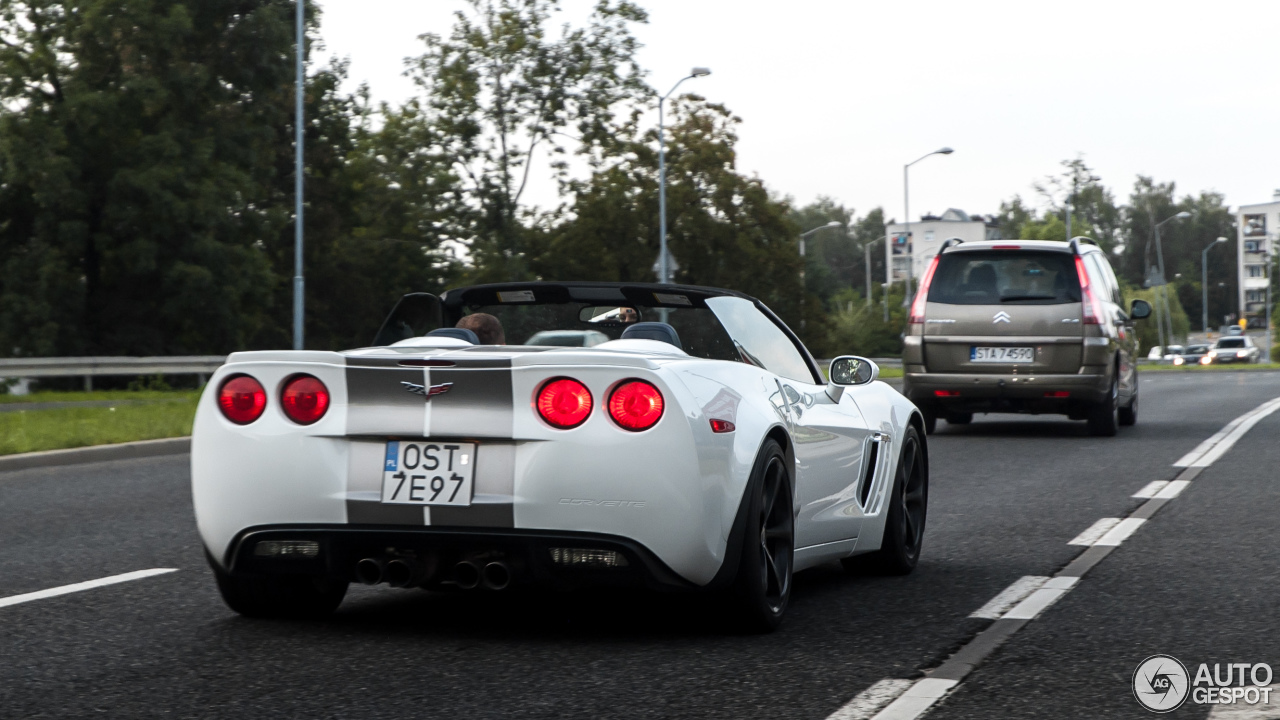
x: 916, y: 700
x: 1121, y: 532
x: 1009, y: 597
x: 866, y: 703
x: 1210, y: 450
x: 1173, y: 489
x: 1047, y: 595
x: 1149, y: 490
x: 1227, y: 442
x: 87, y: 585
x: 1241, y: 711
x: 1095, y: 531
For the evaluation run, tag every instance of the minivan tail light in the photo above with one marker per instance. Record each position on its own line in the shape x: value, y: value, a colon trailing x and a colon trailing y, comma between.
x: 305, y: 399
x: 922, y: 295
x: 1091, y: 308
x: 636, y: 405
x: 242, y: 399
x: 564, y: 403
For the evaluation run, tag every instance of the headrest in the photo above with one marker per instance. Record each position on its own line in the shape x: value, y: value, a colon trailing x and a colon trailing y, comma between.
x: 659, y: 331
x: 456, y: 333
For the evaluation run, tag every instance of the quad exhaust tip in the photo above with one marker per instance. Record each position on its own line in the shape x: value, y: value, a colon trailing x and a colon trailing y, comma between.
x: 497, y: 576
x: 399, y: 573
x: 369, y: 571
x: 466, y: 575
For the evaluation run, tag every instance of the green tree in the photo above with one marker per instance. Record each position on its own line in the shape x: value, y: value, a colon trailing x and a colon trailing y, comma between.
x: 137, y: 140
x: 503, y: 91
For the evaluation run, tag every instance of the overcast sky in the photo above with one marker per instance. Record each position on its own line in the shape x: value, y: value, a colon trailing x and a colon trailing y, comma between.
x: 836, y: 96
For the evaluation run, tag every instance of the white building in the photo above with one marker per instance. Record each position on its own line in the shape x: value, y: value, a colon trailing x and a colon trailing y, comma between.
x: 1257, y: 227
x: 928, y: 235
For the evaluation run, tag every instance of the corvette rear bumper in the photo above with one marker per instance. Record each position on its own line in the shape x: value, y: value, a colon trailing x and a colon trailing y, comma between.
x: 436, y: 551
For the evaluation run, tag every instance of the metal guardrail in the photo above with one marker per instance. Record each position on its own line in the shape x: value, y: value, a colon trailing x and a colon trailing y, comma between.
x: 90, y: 367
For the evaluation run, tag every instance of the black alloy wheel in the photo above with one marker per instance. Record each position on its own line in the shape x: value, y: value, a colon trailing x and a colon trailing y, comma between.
x: 762, y: 589
x: 1103, y: 417
x: 908, y: 508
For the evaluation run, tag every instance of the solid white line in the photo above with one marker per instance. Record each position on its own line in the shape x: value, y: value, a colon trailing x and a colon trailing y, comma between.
x: 1095, y: 531
x: 917, y: 700
x: 1121, y: 532
x: 1047, y: 595
x: 1227, y: 442
x: 1172, y: 490
x: 1009, y: 597
x: 87, y: 585
x: 866, y: 703
x: 1149, y: 490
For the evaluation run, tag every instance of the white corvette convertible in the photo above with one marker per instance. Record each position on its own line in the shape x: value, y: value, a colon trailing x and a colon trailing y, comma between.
x: 696, y: 447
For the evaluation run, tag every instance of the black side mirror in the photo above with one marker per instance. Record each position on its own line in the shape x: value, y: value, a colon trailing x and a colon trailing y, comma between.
x: 414, y: 316
x: 1140, y: 309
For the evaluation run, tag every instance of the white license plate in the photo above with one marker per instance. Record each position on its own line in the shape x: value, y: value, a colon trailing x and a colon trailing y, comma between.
x: 428, y: 473
x: 1002, y: 354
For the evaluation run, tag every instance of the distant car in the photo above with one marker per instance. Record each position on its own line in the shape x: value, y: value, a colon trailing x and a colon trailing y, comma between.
x: 1024, y: 326
x: 1165, y: 354
x: 1234, y: 330
x: 1235, y: 350
x: 1193, y: 355
x: 567, y: 338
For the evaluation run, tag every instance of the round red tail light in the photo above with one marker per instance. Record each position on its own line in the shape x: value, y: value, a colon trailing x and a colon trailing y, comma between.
x: 564, y: 403
x: 635, y: 405
x: 242, y: 399
x: 304, y: 399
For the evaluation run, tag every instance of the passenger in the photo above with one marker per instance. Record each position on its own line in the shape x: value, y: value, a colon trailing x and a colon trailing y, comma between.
x: 486, y: 327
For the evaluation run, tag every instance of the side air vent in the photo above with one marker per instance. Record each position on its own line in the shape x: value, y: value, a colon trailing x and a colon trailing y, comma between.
x: 873, y: 464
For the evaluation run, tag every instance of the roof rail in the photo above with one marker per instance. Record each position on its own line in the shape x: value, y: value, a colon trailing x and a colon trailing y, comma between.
x: 948, y: 243
x: 1075, y: 243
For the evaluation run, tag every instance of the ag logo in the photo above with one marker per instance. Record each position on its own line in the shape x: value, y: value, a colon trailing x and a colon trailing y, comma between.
x: 1161, y: 683
x: 1000, y: 317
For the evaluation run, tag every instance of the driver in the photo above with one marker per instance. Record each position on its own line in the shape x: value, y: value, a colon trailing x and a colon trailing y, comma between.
x: 627, y: 315
x: 486, y: 327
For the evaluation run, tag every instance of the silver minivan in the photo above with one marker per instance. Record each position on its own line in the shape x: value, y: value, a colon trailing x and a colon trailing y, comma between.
x: 1023, y: 326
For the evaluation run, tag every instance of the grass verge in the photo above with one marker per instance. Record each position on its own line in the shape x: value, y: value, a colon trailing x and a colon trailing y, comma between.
x: 32, y: 430
x: 1208, y: 368
x: 51, y: 396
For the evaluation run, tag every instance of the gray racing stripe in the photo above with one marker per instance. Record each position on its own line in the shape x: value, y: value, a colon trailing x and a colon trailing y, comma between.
x: 478, y: 404
x: 377, y: 401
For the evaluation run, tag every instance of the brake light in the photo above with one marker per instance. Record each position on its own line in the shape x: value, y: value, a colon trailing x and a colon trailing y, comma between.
x: 564, y: 403
x: 1091, y: 309
x: 242, y: 399
x: 304, y: 399
x: 636, y: 405
x: 1006, y: 247
x: 922, y: 295
x: 1057, y: 394
x: 946, y: 393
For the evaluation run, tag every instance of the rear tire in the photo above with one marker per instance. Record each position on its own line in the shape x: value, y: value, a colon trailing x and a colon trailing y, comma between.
x: 761, y: 590
x: 291, y: 597
x: 1128, y: 416
x: 960, y: 418
x: 1103, y: 417
x: 904, y: 527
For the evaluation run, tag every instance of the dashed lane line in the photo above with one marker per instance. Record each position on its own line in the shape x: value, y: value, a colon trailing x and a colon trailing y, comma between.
x: 1010, y: 596
x: 1094, y: 532
x: 82, y: 586
x: 1034, y: 594
x: 869, y: 702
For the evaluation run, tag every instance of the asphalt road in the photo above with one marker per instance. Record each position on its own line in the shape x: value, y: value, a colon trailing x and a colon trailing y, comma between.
x: 1198, y: 581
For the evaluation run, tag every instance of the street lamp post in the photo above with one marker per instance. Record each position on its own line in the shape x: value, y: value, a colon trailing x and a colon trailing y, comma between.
x: 803, y: 235
x: 906, y: 206
x: 1204, y: 285
x: 1164, y: 285
x: 664, y: 268
x: 298, y: 282
x: 866, y: 262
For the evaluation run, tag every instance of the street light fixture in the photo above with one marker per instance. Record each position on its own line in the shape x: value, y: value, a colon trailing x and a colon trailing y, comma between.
x: 803, y: 235
x: 1204, y: 285
x: 298, y: 130
x: 1163, y: 288
x: 906, y: 205
x: 664, y: 267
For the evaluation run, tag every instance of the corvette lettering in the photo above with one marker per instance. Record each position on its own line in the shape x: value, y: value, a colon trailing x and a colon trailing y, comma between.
x: 603, y: 503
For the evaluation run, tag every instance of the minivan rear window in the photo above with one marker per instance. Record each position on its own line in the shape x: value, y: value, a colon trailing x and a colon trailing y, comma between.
x: 1231, y: 343
x: 1005, y: 277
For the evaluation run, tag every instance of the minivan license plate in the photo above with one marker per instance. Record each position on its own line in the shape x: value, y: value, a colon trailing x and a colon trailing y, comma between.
x: 428, y: 473
x: 1002, y: 354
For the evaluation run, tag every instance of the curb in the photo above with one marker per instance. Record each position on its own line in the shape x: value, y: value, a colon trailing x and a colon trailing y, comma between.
x: 96, y: 453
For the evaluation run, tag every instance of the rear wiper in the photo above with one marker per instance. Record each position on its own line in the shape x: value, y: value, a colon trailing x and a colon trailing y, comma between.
x: 1012, y: 298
